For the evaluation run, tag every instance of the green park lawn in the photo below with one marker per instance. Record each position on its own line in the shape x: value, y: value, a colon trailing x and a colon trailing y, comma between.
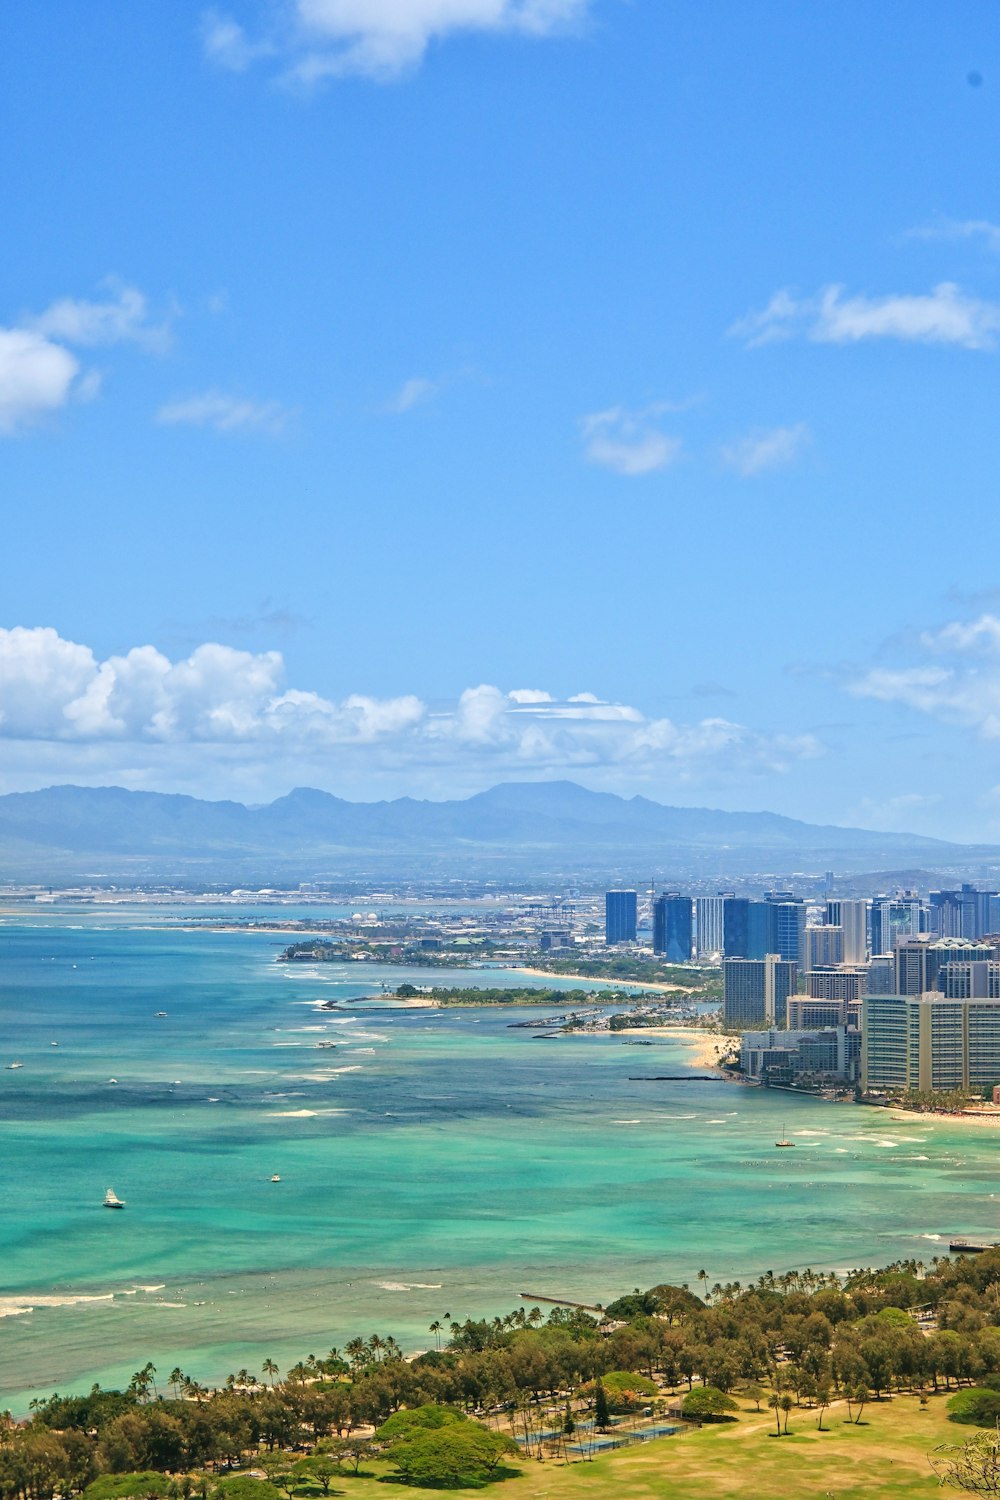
x: 883, y: 1457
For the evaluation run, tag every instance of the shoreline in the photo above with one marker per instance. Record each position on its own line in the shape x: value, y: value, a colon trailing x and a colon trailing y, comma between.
x: 941, y: 1117
x: 707, y: 1045
x: 619, y: 984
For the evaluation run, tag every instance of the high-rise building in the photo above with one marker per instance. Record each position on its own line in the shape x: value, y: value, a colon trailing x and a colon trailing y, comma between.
x: 620, y: 912
x: 965, y: 913
x: 756, y: 991
x: 880, y: 978
x: 804, y: 1013
x: 673, y: 925
x: 852, y: 917
x: 893, y: 918
x: 762, y: 929
x: 824, y: 947
x: 974, y: 979
x: 919, y: 960
x: 735, y: 926
x: 844, y: 984
x: 708, y: 912
x: 930, y: 1042
x: 789, y: 917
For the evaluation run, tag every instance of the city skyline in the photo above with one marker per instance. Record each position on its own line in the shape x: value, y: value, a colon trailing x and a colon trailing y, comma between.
x: 474, y: 393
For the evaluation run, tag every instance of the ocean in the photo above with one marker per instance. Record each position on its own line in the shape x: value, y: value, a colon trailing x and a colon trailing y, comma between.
x: 431, y: 1162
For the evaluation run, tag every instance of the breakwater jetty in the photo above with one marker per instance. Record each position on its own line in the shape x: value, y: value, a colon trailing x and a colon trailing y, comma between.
x: 676, y: 1078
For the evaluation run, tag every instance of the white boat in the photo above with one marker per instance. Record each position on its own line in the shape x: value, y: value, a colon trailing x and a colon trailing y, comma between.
x: 112, y: 1200
x: 13, y: 1065
x: 276, y: 1178
x: 785, y: 1142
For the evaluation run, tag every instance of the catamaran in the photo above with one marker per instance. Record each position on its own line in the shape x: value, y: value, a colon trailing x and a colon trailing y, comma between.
x: 112, y: 1200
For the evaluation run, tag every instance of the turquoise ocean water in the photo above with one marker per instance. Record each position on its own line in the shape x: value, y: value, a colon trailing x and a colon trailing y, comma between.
x: 431, y: 1162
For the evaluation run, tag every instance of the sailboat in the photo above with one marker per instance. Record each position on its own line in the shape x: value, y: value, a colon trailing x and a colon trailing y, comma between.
x: 785, y: 1142
x: 112, y: 1200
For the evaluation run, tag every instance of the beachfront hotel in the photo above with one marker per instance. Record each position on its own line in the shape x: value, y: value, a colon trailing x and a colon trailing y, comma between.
x: 930, y: 1041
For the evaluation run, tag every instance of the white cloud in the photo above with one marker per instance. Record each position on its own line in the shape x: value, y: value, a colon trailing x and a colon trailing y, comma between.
x: 630, y: 442
x: 961, y: 685
x: 121, y: 317
x: 377, y: 39
x: 413, y: 392
x: 766, y: 448
x: 945, y: 315
x: 225, y: 413
x: 39, y: 374
x: 226, y: 43
x: 219, y: 703
x: 36, y: 377
x: 960, y: 229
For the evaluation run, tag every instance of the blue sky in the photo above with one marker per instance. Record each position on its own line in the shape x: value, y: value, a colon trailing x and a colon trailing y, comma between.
x: 399, y: 396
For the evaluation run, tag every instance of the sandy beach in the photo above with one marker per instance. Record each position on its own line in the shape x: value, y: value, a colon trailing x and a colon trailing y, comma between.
x: 916, y: 1116
x: 706, y: 1045
x: 607, y: 984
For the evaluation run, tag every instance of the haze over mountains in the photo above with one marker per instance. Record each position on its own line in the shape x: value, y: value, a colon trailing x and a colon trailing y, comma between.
x: 529, y: 828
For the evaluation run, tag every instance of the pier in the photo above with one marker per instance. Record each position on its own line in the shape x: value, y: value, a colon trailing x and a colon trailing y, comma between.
x: 560, y: 1302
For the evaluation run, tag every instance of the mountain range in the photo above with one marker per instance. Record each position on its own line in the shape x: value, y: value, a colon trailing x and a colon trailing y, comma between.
x: 527, y: 827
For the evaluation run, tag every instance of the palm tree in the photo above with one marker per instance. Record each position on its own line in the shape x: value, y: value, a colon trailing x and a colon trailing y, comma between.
x: 355, y: 1350
x: 269, y: 1368
x: 435, y: 1328
x: 176, y: 1380
x: 703, y: 1278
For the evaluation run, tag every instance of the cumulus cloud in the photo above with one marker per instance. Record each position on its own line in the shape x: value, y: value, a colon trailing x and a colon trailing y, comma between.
x: 40, y: 373
x: 958, y: 680
x: 225, y: 413
x: 220, y: 702
x: 632, y: 443
x: 36, y: 377
x: 379, y: 39
x: 945, y: 315
x: 766, y: 448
